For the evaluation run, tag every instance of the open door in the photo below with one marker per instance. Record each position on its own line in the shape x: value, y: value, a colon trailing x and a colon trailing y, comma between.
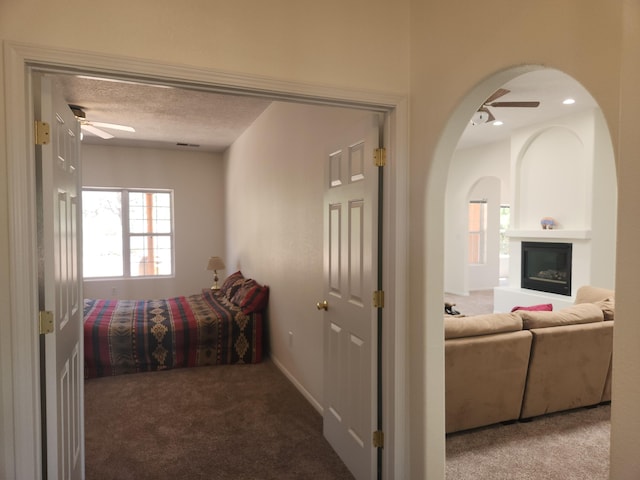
x: 60, y: 293
x: 350, y: 251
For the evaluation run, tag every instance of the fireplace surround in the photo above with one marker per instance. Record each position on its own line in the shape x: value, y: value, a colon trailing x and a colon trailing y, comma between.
x: 546, y: 267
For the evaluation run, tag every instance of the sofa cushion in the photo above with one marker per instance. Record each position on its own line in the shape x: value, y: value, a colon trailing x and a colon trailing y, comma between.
x: 589, y: 294
x: 459, y: 327
x: 575, y: 314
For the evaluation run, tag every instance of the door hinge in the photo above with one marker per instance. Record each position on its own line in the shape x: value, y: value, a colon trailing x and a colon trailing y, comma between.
x: 378, y: 299
x: 378, y: 439
x: 42, y: 132
x: 380, y: 157
x: 46, y: 322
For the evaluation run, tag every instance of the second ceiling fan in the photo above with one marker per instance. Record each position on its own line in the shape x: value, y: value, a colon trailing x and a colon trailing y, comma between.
x: 484, y: 115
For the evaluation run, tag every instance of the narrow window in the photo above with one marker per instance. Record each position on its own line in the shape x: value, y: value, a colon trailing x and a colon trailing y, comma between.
x: 477, y: 232
x: 127, y: 233
x: 505, y: 220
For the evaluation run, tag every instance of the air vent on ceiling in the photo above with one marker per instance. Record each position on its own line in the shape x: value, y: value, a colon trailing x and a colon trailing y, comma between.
x: 193, y: 145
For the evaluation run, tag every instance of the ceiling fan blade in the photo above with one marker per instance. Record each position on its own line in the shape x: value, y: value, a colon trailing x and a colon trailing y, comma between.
x: 514, y: 104
x: 114, y: 126
x: 97, y: 132
x: 497, y: 94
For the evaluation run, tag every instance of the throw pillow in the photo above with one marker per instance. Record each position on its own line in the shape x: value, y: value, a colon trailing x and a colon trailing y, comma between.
x: 231, y: 284
x: 544, y: 307
x: 255, y: 300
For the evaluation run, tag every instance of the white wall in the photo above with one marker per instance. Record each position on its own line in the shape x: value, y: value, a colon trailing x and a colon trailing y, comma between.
x: 275, y: 190
x: 468, y: 166
x: 564, y: 168
x: 198, y: 184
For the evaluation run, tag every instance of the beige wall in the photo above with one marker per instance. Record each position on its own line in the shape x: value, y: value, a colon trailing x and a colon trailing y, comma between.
x: 459, y: 57
x: 456, y: 51
x: 275, y: 191
x: 331, y: 42
x: 197, y: 181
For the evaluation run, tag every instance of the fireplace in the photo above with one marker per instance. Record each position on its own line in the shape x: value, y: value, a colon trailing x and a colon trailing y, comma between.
x: 546, y: 267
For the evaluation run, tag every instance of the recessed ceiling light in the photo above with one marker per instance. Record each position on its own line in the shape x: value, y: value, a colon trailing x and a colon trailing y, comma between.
x: 568, y: 101
x: 497, y: 123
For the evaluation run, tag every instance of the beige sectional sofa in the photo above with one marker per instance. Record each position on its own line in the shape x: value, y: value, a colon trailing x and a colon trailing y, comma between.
x: 508, y: 366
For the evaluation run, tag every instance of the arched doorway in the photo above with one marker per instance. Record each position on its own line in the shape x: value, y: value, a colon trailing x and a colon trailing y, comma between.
x: 588, y: 214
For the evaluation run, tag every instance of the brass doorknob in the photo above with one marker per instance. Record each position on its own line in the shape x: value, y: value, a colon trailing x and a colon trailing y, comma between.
x: 322, y: 305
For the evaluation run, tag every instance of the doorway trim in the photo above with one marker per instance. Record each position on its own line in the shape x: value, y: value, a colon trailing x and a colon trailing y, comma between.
x: 20, y: 380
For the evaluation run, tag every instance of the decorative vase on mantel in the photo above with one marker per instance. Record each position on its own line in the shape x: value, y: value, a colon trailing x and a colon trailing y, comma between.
x: 548, y: 223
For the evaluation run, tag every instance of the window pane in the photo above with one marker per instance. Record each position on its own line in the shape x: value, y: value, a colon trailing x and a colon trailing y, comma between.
x: 102, y: 233
x: 150, y: 255
x: 150, y: 212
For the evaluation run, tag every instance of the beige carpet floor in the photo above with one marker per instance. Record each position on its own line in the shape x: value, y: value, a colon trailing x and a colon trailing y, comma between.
x: 222, y: 422
x: 570, y: 445
x: 477, y: 302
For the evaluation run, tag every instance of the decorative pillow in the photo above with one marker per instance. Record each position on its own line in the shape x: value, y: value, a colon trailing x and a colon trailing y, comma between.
x: 543, y: 307
x: 240, y: 293
x: 231, y: 284
x: 575, y: 314
x: 255, y: 300
x: 608, y: 307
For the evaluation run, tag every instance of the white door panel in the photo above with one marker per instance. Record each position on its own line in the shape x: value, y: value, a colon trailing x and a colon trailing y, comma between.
x: 58, y: 165
x: 350, y: 222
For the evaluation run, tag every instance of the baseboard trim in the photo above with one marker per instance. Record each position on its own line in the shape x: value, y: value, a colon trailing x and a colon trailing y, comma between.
x: 305, y: 393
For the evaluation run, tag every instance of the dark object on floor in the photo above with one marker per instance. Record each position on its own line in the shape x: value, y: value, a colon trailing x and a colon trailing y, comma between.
x: 449, y: 310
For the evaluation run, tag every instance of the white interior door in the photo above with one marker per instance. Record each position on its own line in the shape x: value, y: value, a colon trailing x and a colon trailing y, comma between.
x: 59, y: 193
x: 349, y: 251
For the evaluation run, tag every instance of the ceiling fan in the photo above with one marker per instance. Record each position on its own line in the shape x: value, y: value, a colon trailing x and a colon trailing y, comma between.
x: 484, y: 115
x: 92, y: 127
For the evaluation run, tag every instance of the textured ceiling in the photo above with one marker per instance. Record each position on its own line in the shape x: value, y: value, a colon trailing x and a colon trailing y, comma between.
x: 162, y: 116
x: 166, y: 116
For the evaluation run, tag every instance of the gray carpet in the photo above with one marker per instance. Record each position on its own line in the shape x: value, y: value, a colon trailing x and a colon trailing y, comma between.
x: 477, y: 302
x: 564, y: 446
x: 222, y: 422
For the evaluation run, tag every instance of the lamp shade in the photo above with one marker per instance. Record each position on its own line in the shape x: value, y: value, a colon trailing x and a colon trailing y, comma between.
x: 215, y: 263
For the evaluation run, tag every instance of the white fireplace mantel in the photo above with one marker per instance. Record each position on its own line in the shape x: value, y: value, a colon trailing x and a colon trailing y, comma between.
x: 551, y: 234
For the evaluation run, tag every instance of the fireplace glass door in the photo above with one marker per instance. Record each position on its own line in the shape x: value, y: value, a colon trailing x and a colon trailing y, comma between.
x: 546, y: 267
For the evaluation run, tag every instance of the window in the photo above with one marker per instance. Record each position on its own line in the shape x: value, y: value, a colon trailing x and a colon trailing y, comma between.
x: 127, y: 232
x: 505, y: 216
x: 477, y: 232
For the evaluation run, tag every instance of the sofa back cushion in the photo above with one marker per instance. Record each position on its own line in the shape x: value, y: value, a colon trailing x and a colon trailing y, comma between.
x: 589, y: 294
x: 573, y: 315
x: 459, y: 327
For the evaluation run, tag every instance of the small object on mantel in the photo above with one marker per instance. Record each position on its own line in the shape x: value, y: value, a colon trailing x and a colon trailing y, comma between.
x: 548, y: 223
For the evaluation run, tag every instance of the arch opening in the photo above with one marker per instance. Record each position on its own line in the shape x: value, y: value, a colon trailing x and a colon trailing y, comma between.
x: 558, y: 162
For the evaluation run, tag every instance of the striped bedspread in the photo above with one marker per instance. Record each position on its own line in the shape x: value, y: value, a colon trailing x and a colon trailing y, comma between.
x: 126, y: 336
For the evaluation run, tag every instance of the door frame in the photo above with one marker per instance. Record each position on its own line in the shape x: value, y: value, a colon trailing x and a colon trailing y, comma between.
x: 21, y: 379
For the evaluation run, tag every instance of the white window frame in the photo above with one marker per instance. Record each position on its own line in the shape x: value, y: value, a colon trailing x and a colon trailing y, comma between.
x: 127, y: 235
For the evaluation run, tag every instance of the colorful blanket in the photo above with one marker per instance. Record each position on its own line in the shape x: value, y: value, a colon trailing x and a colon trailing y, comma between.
x: 126, y: 336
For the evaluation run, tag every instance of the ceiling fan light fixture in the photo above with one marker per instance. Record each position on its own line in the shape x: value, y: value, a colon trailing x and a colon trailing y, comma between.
x: 479, y: 117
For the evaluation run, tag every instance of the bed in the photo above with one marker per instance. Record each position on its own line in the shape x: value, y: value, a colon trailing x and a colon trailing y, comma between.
x: 208, y: 328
